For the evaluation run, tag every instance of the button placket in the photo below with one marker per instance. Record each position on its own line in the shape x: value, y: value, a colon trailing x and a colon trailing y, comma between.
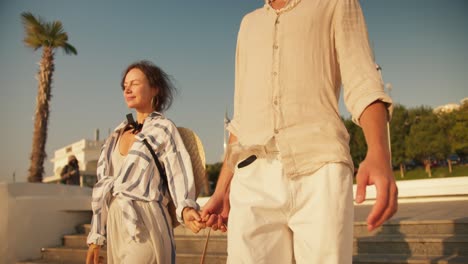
x: 275, y: 83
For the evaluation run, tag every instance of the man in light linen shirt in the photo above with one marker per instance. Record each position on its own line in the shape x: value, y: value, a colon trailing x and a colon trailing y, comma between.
x: 286, y: 181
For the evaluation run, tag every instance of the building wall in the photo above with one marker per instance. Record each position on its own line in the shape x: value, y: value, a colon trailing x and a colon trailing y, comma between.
x: 87, y: 153
x: 35, y: 215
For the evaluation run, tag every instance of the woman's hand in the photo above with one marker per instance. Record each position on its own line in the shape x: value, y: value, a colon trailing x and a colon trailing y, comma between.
x: 92, y: 257
x: 192, y: 219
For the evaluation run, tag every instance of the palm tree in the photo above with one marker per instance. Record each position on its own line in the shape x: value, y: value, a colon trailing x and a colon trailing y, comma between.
x: 48, y: 36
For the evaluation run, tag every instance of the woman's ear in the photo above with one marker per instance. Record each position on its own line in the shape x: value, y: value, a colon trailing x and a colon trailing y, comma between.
x: 155, y: 91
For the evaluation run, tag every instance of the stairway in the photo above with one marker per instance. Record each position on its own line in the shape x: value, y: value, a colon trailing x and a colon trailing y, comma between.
x: 189, y: 248
x: 435, y: 241
x: 418, y: 242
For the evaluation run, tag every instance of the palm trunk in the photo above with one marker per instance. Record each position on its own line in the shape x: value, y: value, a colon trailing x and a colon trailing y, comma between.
x: 41, y: 118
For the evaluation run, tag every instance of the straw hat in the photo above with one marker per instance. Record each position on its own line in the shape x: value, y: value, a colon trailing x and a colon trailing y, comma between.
x: 195, y: 149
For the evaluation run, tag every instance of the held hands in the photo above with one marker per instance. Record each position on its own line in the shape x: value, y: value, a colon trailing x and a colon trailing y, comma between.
x: 193, y: 220
x: 376, y: 170
x: 216, y: 212
x: 92, y: 257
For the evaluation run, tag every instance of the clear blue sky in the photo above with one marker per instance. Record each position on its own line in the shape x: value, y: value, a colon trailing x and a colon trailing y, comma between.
x: 421, y: 45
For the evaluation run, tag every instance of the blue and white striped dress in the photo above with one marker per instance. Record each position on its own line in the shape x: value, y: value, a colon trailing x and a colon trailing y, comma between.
x: 138, y: 179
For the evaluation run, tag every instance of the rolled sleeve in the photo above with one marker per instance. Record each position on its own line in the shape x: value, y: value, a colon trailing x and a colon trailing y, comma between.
x: 233, y: 127
x: 179, y: 171
x: 365, y: 100
x: 362, y: 82
x: 95, y: 238
x: 183, y: 204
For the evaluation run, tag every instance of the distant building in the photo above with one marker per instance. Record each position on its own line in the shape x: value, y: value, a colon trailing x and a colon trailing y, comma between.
x: 443, y: 109
x: 448, y: 108
x: 87, y: 153
x: 464, y: 101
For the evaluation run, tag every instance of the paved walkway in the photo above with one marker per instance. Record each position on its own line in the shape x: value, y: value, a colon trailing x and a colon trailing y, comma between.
x: 449, y: 210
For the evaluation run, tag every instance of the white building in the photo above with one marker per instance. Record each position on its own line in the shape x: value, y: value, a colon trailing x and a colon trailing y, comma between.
x: 448, y: 108
x: 87, y: 153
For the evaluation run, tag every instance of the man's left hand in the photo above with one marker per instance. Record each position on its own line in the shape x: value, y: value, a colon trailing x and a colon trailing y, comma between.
x: 375, y: 170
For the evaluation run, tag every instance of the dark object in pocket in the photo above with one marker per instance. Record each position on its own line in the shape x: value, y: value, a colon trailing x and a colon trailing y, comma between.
x: 247, y: 161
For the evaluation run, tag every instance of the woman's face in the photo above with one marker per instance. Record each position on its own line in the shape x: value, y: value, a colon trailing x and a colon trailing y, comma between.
x: 137, y: 91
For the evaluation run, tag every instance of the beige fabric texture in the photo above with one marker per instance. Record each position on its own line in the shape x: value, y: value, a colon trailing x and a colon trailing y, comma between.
x: 290, y: 66
x: 154, y: 242
x: 276, y: 219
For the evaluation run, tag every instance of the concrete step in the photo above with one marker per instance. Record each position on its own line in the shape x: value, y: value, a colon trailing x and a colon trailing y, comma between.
x: 188, y: 244
x: 211, y: 258
x: 459, y: 227
x: 184, y: 244
x: 67, y: 255
x: 62, y: 255
x: 84, y: 229
x: 45, y: 261
x: 180, y: 230
x: 403, y: 259
x: 184, y: 258
x: 395, y: 242
x: 420, y: 245
x: 381, y: 244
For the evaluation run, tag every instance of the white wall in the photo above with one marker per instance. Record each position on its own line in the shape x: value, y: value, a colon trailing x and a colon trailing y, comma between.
x: 429, y: 189
x: 35, y: 215
x: 453, y: 188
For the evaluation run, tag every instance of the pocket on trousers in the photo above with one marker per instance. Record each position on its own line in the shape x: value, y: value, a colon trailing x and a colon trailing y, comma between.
x: 246, y: 162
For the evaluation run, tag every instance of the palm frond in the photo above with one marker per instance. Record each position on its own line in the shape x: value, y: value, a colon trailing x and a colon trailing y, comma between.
x: 40, y: 33
x: 56, y: 28
x: 34, y: 29
x: 29, y: 20
x: 33, y: 42
x: 59, y: 40
x: 69, y: 49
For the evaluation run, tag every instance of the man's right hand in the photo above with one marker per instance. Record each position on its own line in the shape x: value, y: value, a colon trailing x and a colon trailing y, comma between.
x: 92, y: 256
x: 216, y: 211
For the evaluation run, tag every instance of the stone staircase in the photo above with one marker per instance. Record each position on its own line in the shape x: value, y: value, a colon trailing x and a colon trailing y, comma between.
x: 435, y: 241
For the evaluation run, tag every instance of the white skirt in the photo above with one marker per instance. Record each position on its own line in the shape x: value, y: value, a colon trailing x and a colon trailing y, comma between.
x: 154, y: 242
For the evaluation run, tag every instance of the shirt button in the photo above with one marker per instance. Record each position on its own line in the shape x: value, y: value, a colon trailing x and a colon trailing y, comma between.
x: 275, y: 102
x: 275, y: 73
x: 276, y: 46
x: 276, y: 131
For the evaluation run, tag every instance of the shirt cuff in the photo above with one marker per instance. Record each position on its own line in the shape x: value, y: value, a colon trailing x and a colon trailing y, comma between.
x: 186, y: 203
x: 233, y: 127
x: 95, y: 238
x: 367, y: 100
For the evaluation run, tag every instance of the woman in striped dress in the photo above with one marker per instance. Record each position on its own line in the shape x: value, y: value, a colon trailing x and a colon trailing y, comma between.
x: 130, y: 199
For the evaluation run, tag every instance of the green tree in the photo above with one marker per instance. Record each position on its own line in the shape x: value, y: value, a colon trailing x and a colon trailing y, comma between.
x: 458, y: 132
x: 427, y: 139
x: 48, y: 36
x: 212, y: 171
x: 399, y: 130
